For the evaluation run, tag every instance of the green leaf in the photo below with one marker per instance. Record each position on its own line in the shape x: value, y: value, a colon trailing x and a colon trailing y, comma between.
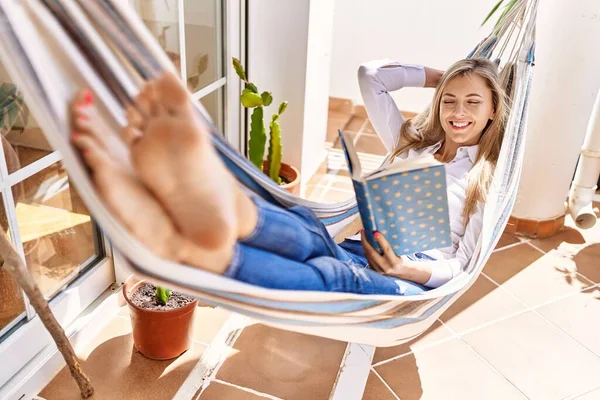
x: 507, y: 9
x: 162, y: 295
x: 282, y: 107
x: 494, y: 9
x: 267, y: 98
x: 250, y: 99
x: 239, y: 69
x: 258, y: 138
x: 252, y: 87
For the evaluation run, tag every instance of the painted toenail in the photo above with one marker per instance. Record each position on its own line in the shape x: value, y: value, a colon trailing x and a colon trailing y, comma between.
x: 76, y: 135
x: 87, y: 97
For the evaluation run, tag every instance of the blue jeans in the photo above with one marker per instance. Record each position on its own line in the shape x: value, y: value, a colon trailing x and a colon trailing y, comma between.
x: 290, y: 249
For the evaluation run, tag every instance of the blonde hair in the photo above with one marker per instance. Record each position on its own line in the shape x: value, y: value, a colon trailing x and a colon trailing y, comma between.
x: 426, y: 129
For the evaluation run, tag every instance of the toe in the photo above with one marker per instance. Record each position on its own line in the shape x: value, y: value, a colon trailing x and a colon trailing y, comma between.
x: 81, y: 122
x: 130, y: 135
x: 93, y: 153
x: 80, y: 111
x: 147, y: 100
x: 172, y: 95
x: 135, y: 120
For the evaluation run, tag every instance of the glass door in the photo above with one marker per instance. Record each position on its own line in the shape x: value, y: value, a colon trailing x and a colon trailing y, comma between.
x: 41, y: 211
x: 193, y: 35
x: 49, y: 226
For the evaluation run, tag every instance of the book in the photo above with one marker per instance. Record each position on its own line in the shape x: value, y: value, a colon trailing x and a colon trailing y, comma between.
x: 406, y: 201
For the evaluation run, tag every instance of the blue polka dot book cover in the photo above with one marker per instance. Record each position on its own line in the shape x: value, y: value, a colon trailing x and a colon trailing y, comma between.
x: 406, y: 201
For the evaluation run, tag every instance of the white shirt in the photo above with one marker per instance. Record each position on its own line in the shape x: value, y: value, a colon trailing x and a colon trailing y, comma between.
x: 376, y: 80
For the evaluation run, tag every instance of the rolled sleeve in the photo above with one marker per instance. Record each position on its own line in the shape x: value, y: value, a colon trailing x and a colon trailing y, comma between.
x: 376, y: 79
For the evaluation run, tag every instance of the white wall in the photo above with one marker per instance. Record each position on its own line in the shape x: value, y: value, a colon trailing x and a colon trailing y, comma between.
x: 435, y: 33
x: 277, y: 41
x: 316, y: 100
x: 287, y: 42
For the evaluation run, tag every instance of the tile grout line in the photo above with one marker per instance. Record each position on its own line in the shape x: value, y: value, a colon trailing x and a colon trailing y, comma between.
x: 353, y: 372
x: 329, y: 186
x: 508, y: 246
x: 424, y: 347
x: 212, y: 358
x: 360, y: 130
x: 493, y: 322
x: 577, y: 396
x: 535, y: 311
x: 566, y: 296
x: 576, y: 272
x: 245, y: 389
x: 533, y: 308
x: 528, y: 308
x: 490, y: 365
x: 385, y: 383
x: 460, y: 337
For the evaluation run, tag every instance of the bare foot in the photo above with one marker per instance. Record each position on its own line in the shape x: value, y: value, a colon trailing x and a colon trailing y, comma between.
x: 130, y: 201
x: 174, y: 158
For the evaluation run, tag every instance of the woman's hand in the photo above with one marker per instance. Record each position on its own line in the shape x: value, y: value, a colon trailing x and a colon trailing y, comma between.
x: 388, y: 263
x: 432, y: 77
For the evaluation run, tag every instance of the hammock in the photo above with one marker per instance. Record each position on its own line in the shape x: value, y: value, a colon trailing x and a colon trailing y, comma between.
x: 103, y: 45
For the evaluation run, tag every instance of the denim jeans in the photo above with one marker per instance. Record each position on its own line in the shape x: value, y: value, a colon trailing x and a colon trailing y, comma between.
x: 290, y: 249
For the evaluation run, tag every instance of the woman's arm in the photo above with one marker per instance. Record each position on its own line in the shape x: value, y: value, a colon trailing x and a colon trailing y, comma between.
x: 376, y: 79
x: 432, y: 77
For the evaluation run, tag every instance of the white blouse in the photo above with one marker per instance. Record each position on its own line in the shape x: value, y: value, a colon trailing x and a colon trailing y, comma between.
x: 376, y: 80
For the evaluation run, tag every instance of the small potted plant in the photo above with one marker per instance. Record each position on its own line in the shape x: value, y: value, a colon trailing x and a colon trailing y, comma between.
x: 162, y: 321
x: 283, y: 174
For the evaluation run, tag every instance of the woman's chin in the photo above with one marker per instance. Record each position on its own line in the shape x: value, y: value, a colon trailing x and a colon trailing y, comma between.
x: 463, y: 138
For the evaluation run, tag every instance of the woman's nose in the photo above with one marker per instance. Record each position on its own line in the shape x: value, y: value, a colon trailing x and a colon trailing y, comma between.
x: 460, y: 110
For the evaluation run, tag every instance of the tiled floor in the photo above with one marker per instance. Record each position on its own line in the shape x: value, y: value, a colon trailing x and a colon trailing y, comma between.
x: 118, y: 371
x: 527, y: 328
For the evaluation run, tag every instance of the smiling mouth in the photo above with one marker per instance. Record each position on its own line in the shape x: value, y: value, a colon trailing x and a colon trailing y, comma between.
x: 460, y: 125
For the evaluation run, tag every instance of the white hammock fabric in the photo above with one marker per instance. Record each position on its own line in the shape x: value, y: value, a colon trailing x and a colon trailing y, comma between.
x: 52, y: 49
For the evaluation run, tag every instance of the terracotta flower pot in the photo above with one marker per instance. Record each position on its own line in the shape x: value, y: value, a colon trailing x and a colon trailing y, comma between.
x: 160, y: 335
x: 289, y: 175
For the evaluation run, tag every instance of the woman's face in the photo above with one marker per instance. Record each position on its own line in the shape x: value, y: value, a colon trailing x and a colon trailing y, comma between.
x: 465, y: 109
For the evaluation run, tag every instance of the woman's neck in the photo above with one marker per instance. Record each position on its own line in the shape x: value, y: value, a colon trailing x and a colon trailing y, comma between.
x: 446, y: 152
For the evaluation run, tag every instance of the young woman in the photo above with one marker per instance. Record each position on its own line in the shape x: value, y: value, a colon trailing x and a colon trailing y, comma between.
x: 195, y: 212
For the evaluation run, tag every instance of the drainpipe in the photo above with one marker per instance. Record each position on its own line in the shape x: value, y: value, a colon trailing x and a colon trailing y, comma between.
x: 584, y: 185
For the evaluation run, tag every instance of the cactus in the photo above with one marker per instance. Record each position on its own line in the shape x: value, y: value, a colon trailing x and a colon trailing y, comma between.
x: 275, y: 149
x: 162, y: 295
x: 258, y: 136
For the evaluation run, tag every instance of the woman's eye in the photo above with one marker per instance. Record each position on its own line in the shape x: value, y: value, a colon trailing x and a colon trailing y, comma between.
x: 448, y: 102
x: 474, y: 102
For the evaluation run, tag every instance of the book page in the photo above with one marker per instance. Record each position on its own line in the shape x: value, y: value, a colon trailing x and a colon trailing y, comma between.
x: 399, y: 166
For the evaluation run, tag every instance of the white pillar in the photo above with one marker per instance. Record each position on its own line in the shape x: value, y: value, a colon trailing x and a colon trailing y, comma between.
x: 566, y: 82
x: 289, y: 44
